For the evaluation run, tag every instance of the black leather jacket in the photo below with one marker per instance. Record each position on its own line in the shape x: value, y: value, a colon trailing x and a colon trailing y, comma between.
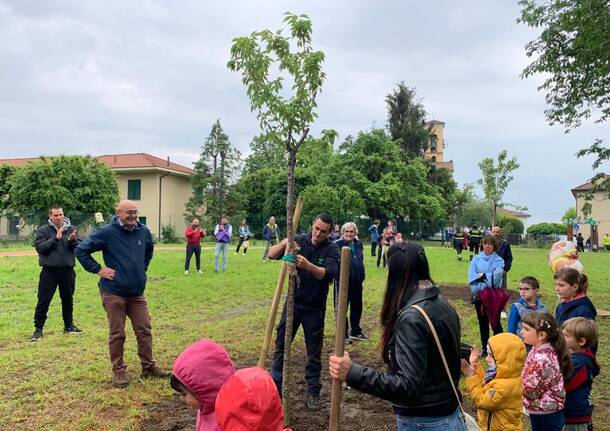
x: 416, y: 382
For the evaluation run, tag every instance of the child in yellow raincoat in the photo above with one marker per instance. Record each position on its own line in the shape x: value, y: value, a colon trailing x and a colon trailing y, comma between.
x: 496, y: 393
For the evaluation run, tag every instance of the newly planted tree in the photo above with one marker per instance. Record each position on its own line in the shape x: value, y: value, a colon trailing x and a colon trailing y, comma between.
x: 267, y: 62
x: 496, y: 178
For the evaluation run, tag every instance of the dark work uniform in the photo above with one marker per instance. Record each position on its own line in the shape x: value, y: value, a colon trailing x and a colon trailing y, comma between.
x: 458, y: 242
x: 56, y: 256
x: 474, y: 241
x: 309, y: 310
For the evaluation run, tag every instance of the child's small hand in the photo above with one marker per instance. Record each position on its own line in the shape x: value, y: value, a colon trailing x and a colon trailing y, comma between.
x: 474, y: 356
x: 467, y: 369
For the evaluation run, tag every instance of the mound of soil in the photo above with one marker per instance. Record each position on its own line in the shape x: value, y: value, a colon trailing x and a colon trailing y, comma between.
x: 359, y: 412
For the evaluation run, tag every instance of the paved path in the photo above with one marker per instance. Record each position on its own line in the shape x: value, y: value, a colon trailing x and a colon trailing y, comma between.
x: 157, y: 248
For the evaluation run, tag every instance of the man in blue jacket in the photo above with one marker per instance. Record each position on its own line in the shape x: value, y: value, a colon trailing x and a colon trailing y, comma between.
x: 127, y: 249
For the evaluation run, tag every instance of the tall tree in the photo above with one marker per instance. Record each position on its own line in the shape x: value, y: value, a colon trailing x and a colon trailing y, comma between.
x: 81, y: 185
x: 407, y: 120
x: 496, y: 178
x: 573, y: 53
x: 264, y: 59
x: 214, y: 171
x: 265, y: 153
x: 5, y: 172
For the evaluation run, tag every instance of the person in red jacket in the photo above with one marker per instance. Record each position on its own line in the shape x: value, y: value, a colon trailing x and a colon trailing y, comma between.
x: 249, y: 401
x: 198, y: 374
x: 194, y: 234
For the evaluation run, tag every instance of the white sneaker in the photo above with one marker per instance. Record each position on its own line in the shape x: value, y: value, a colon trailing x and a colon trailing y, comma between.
x: 503, y: 315
x: 186, y: 272
x: 199, y: 271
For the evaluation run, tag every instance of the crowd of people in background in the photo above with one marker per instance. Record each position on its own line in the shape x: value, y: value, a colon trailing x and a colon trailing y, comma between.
x: 544, y: 364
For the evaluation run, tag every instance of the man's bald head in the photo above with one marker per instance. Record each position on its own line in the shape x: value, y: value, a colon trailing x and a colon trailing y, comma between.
x: 127, y: 212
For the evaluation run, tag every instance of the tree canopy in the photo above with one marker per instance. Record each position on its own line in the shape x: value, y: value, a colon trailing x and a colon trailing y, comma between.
x: 407, y: 120
x: 80, y: 185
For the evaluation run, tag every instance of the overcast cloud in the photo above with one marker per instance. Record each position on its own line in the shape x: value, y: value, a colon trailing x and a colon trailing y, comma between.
x: 145, y: 76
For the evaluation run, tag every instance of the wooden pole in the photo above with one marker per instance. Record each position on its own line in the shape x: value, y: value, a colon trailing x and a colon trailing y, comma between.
x: 335, y: 395
x: 277, y: 296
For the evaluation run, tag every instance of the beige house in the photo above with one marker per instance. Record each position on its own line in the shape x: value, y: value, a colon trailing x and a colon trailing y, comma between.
x: 600, y: 212
x: 161, y: 189
x: 436, y: 145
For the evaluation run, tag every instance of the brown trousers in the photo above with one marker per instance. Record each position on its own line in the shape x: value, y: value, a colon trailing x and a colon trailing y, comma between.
x: 117, y: 307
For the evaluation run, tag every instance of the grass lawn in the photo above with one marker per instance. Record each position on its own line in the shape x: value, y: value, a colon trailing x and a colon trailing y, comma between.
x: 63, y: 381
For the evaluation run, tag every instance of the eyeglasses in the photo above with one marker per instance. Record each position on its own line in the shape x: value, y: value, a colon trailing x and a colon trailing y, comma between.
x: 130, y: 212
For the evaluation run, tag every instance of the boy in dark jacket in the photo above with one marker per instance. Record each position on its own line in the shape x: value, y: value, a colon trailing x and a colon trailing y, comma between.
x: 580, y: 334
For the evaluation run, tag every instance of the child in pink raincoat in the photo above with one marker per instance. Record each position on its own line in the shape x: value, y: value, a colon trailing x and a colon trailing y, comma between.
x: 198, y: 374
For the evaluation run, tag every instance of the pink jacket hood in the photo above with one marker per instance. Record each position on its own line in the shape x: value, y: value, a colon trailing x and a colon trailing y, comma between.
x: 203, y: 367
x: 249, y: 401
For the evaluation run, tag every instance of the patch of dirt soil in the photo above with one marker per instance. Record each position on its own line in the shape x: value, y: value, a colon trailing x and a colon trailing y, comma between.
x: 359, y: 412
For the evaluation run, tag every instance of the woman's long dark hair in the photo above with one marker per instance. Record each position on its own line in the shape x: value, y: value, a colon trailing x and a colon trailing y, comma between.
x: 407, y: 264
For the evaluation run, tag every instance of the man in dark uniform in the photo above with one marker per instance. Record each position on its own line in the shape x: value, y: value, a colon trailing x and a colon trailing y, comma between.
x: 474, y: 240
x: 55, y: 244
x: 458, y: 241
x: 317, y: 264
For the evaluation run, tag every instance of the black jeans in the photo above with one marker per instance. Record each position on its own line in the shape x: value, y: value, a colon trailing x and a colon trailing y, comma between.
x: 190, y: 249
x: 313, y: 329
x: 484, y: 325
x: 354, y: 301
x: 373, y: 248
x: 49, y: 279
x: 241, y: 241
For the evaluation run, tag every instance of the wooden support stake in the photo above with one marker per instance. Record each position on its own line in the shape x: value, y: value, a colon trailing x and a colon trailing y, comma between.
x: 277, y: 296
x: 335, y: 395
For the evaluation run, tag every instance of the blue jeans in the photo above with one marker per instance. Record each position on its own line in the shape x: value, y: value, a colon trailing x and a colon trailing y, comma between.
x: 552, y: 422
x: 452, y: 422
x: 224, y: 248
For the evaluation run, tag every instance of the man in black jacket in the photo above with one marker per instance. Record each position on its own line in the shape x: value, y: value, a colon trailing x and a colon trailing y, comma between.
x: 317, y: 264
x: 55, y: 243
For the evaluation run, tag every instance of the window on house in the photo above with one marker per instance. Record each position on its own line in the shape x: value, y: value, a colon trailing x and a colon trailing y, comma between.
x: 134, y: 188
x: 13, y: 225
x: 142, y: 219
x: 433, y: 143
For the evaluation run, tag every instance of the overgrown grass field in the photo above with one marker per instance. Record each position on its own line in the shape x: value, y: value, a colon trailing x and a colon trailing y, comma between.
x: 63, y: 382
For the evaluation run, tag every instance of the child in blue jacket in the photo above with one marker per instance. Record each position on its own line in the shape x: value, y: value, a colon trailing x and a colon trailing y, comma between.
x: 580, y: 334
x: 528, y: 303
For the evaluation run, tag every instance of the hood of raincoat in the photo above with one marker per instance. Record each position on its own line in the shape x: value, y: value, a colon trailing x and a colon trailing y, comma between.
x: 203, y: 367
x: 509, y: 353
x: 249, y: 401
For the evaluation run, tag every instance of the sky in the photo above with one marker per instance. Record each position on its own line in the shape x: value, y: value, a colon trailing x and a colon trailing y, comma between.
x: 150, y: 76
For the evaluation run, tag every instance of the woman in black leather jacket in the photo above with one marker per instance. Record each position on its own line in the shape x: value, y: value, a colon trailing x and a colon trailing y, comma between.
x: 416, y: 382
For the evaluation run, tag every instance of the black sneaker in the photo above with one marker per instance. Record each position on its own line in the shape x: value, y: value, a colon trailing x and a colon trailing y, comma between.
x: 313, y: 402
x: 37, y: 335
x: 348, y: 341
x: 72, y: 330
x: 360, y: 337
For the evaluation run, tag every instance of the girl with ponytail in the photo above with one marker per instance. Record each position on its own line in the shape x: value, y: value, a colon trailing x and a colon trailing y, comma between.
x: 571, y: 288
x: 546, y: 367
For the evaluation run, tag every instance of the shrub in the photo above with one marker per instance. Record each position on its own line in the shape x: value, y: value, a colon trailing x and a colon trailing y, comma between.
x: 168, y: 233
x: 547, y: 229
x: 510, y: 224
